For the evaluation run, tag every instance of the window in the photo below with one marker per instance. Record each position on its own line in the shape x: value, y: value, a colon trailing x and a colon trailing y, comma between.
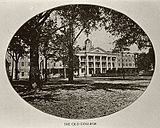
x: 130, y: 64
x: 22, y: 73
x: 90, y: 58
x: 83, y: 58
x: 83, y: 70
x: 90, y: 64
x: 97, y: 58
x: 103, y: 58
x: 113, y: 58
x: 82, y: 64
x: 97, y: 64
x: 103, y: 70
x: 103, y: 64
x: 113, y: 65
x: 22, y: 64
x: 109, y: 64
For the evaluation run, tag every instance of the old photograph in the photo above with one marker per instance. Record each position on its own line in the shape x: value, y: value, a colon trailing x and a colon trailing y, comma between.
x: 80, y: 61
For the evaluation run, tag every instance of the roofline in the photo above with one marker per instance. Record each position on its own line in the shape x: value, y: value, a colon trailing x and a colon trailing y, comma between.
x: 96, y: 53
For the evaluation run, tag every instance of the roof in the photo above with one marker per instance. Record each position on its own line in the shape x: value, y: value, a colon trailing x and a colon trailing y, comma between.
x: 96, y: 50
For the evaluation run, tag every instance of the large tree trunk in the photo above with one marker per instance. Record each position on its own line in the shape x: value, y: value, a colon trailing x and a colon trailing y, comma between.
x: 46, y: 72
x: 64, y: 70
x: 70, y: 53
x: 16, y: 70
x: 34, y: 65
x: 123, y: 72
x: 70, y: 64
x: 12, y: 63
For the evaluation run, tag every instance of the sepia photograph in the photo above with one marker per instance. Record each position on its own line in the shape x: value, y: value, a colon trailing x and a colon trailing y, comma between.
x: 88, y: 63
x: 80, y: 61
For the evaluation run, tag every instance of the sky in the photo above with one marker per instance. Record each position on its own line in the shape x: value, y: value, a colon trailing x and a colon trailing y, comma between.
x: 99, y: 38
x: 104, y: 40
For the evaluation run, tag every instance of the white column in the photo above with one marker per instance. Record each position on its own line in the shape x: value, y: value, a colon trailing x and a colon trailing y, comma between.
x: 116, y: 63
x: 94, y: 61
x: 107, y: 62
x: 87, y: 65
x: 111, y: 63
x: 79, y: 64
x: 100, y: 64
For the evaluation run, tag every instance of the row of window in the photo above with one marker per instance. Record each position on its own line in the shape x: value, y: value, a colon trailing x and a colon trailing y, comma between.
x: 126, y: 64
x: 104, y: 64
x: 54, y: 64
x: 97, y: 58
x: 24, y: 74
x: 25, y: 64
x: 97, y: 70
x: 98, y: 64
x: 126, y: 59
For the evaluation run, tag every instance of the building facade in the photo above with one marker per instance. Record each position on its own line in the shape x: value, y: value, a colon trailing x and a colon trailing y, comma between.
x: 98, y: 61
x: 91, y: 61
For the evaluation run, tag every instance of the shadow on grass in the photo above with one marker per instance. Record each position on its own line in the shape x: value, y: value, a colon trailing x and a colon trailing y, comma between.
x: 47, y: 97
x: 53, y: 97
x: 63, y: 87
x: 107, y: 86
x: 124, y: 79
x: 61, y: 84
x: 62, y: 81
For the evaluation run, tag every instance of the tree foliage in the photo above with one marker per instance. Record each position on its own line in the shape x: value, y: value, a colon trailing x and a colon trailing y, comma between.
x: 30, y: 34
x: 123, y: 27
x: 16, y: 50
x: 78, y: 19
x: 55, y: 32
x: 146, y: 61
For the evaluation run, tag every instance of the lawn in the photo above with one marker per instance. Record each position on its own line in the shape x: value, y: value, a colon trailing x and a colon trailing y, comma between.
x: 87, y: 97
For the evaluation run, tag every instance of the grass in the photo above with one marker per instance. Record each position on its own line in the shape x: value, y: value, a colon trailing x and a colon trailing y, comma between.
x: 86, y: 98
x: 83, y: 104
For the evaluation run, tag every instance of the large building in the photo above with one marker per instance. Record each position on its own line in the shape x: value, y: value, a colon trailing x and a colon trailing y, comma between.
x: 97, y: 61
x: 91, y: 61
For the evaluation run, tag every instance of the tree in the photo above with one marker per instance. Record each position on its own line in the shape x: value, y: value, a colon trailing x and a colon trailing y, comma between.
x: 63, y: 53
x: 86, y: 18
x: 127, y: 32
x: 146, y: 61
x: 73, y: 20
x: 49, y: 45
x: 17, y: 49
x: 123, y: 27
x: 120, y: 47
x: 78, y: 18
x: 30, y: 34
x: 151, y: 56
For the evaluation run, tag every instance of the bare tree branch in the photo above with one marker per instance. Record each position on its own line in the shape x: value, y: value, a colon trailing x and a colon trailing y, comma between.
x: 78, y: 34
